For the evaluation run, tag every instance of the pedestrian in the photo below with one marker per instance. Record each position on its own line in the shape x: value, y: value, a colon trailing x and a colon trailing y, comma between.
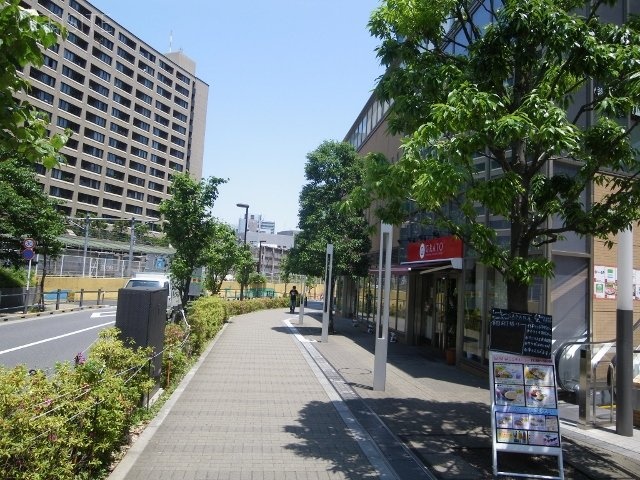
x: 293, y: 299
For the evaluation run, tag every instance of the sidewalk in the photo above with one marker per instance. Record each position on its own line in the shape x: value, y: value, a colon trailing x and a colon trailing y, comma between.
x: 269, y: 401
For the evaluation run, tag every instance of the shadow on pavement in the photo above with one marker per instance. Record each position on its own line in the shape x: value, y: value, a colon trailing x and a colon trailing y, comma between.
x: 448, y: 442
x: 317, y: 420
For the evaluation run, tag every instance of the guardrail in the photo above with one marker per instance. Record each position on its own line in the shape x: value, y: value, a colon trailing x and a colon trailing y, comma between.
x: 32, y: 301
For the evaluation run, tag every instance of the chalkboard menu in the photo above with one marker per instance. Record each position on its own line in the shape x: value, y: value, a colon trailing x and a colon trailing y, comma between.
x: 518, y: 333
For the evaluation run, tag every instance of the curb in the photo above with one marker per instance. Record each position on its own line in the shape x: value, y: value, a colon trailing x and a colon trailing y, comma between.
x: 22, y: 316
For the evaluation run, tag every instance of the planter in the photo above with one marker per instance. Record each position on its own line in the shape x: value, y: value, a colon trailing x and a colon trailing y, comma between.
x: 450, y: 356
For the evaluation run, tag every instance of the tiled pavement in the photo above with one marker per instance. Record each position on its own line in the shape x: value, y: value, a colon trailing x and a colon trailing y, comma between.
x: 269, y: 401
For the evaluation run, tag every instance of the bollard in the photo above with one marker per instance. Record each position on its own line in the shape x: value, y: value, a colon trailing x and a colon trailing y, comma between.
x: 58, y: 300
x: 81, y: 296
x: 98, y: 297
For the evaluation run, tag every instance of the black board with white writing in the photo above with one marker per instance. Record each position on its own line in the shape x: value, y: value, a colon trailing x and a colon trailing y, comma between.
x: 519, y: 333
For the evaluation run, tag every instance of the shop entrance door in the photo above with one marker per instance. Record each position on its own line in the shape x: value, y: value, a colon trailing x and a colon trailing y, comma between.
x: 446, y: 311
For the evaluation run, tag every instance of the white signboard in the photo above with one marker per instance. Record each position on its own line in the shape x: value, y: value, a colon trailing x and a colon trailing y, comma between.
x: 524, y: 408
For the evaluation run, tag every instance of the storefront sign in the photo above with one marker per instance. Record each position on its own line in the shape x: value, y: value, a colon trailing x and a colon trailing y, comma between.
x: 524, y: 408
x: 435, y: 249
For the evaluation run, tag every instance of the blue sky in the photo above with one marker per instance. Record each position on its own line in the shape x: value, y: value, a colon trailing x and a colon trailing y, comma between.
x: 283, y: 75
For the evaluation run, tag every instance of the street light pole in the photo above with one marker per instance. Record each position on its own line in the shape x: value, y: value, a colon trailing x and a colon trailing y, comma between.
x: 260, y: 254
x: 246, y: 227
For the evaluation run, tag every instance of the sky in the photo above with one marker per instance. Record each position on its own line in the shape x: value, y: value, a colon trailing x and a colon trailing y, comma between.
x: 283, y: 76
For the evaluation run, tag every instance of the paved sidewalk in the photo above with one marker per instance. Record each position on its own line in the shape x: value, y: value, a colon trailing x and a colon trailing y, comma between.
x: 269, y: 401
x: 253, y: 409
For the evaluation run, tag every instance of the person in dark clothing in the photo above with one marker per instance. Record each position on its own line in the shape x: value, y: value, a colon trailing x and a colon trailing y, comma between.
x: 293, y: 299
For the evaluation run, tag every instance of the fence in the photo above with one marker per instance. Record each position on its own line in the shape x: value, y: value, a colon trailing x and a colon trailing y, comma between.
x: 97, y: 267
x: 14, y: 300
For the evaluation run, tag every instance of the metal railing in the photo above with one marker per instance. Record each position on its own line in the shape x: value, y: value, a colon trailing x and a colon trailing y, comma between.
x: 30, y: 300
x: 588, y: 369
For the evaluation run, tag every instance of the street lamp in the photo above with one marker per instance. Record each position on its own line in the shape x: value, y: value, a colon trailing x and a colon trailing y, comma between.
x: 246, y: 226
x: 260, y: 254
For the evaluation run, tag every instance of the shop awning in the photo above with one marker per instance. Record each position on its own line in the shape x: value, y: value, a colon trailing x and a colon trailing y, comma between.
x: 397, y: 269
x: 424, y: 267
x: 435, y: 265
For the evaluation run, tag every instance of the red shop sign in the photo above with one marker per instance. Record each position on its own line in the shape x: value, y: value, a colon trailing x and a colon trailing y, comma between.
x: 434, y: 249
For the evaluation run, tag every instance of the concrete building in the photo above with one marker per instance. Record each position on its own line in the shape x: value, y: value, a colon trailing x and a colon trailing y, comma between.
x: 137, y: 115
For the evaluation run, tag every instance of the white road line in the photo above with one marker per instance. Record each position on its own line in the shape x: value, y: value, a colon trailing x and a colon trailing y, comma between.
x: 2, y: 352
x: 108, y: 313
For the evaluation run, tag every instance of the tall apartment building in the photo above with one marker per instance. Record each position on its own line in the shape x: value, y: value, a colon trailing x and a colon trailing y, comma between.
x: 137, y: 115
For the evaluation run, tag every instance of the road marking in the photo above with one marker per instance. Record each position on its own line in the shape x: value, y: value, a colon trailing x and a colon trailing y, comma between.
x: 51, y: 339
x: 108, y: 313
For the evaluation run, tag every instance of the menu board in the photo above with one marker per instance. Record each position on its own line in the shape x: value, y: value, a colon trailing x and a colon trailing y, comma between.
x: 524, y: 406
x: 520, y: 333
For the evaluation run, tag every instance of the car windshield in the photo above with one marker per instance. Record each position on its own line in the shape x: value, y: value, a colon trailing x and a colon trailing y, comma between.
x: 145, y: 283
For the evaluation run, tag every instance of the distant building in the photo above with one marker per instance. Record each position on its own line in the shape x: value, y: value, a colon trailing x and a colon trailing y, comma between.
x: 256, y: 224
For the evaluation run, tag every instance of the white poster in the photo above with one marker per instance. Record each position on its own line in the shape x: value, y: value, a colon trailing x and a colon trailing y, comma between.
x: 524, y: 408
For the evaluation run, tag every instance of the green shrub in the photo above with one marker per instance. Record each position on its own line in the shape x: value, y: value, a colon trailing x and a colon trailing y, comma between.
x: 68, y: 425
x: 206, y: 316
x: 247, y: 306
x: 12, y: 277
x: 176, y: 354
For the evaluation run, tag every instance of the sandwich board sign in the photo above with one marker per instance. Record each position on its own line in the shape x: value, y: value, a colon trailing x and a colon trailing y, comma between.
x: 524, y: 404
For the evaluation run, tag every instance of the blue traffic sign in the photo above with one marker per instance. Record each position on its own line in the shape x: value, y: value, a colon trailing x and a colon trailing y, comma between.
x: 28, y: 254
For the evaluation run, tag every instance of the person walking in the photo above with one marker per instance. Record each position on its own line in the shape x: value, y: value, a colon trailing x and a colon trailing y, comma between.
x: 293, y: 299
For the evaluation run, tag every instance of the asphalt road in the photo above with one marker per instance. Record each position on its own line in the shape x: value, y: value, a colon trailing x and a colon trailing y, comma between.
x: 41, y: 342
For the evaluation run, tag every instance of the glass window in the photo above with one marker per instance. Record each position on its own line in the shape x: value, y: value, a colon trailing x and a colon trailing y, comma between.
x: 129, y: 57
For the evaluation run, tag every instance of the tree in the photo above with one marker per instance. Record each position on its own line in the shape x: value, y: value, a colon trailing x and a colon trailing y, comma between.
x: 189, y: 226
x: 23, y: 129
x: 26, y: 211
x: 244, y: 266
x: 221, y: 256
x: 545, y: 82
x: 332, y: 171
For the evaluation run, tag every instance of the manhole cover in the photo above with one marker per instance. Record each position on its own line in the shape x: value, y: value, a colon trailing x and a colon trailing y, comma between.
x: 355, y: 371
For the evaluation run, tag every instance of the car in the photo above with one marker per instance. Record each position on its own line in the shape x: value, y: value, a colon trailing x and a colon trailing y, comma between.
x: 158, y: 280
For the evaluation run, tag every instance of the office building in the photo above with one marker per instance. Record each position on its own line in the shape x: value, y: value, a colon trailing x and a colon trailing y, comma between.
x: 137, y: 115
x: 442, y: 295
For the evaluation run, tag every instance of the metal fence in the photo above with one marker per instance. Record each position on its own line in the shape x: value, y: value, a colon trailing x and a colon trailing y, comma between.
x: 97, y: 267
x: 16, y: 300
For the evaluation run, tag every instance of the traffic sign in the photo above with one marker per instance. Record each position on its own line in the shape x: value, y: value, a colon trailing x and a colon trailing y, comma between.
x: 28, y: 254
x: 29, y: 243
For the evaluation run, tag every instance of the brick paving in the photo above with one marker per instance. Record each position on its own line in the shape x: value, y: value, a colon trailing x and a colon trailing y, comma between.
x: 268, y: 400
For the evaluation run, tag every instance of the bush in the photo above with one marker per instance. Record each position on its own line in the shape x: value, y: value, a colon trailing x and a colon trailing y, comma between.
x: 67, y: 426
x: 12, y: 277
x: 176, y: 355
x: 206, y: 316
x: 255, y: 304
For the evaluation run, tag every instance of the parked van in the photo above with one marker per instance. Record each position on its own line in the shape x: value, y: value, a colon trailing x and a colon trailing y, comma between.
x: 158, y: 280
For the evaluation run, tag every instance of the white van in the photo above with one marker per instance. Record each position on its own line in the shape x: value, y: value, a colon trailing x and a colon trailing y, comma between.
x: 158, y: 280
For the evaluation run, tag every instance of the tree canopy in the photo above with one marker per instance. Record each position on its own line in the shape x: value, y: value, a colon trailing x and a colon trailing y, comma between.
x: 23, y: 129
x: 26, y: 211
x: 332, y: 171
x: 189, y: 226
x: 221, y: 256
x: 489, y: 112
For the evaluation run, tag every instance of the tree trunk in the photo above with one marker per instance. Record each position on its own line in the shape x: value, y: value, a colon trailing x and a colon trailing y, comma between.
x: 517, y: 296
x: 332, y: 289
x: 45, y: 258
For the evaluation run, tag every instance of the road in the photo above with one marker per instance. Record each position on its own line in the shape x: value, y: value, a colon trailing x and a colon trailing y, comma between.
x: 41, y: 342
